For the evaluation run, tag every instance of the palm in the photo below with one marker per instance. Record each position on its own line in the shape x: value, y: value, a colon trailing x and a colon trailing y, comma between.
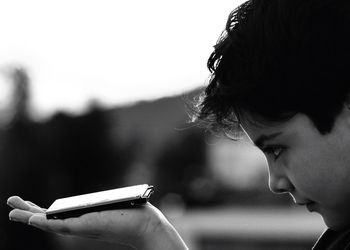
x: 121, y: 226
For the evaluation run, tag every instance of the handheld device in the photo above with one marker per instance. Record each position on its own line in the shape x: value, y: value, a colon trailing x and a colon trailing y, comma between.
x: 104, y: 200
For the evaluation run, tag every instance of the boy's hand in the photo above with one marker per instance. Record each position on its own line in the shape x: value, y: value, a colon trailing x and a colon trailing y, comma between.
x: 141, y: 227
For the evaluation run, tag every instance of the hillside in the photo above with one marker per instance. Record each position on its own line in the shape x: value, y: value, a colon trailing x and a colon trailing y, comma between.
x: 151, y: 123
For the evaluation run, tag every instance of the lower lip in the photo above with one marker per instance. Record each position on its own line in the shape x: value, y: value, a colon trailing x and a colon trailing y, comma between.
x: 311, y: 206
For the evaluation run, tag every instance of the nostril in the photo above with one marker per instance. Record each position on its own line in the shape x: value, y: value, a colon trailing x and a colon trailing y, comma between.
x: 280, y: 185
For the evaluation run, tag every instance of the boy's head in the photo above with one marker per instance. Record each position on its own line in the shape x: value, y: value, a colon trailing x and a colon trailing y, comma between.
x: 281, y: 70
x: 277, y: 58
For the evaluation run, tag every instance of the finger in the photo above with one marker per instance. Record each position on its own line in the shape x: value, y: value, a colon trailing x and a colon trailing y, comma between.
x: 32, y: 204
x: 20, y: 215
x: 40, y: 221
x: 18, y: 202
x: 71, y: 226
x: 35, y: 208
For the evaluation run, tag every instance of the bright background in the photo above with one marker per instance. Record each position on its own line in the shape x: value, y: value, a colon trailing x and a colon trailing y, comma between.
x: 90, y: 58
x: 112, y: 51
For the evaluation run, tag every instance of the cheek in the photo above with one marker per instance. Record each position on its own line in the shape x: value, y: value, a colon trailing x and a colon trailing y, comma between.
x: 305, y: 173
x: 319, y: 175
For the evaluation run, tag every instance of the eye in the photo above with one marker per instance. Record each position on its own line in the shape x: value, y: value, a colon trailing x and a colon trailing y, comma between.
x: 274, y: 151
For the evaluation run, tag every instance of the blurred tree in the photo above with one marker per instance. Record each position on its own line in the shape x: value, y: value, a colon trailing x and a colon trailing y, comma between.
x: 21, y: 97
x: 82, y: 153
x: 181, y: 167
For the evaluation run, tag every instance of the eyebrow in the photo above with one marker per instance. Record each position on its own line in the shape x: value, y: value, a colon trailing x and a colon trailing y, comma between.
x: 264, y: 138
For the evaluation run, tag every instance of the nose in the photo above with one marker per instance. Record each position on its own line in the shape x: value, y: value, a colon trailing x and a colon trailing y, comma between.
x: 280, y: 184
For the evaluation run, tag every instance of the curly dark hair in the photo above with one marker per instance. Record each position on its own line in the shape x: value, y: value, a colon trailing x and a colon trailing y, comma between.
x: 277, y: 58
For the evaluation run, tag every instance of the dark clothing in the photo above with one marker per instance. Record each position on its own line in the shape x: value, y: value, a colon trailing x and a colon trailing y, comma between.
x: 332, y: 240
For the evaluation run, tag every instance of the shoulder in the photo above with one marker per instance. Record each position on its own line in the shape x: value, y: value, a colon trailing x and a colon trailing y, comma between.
x: 333, y: 240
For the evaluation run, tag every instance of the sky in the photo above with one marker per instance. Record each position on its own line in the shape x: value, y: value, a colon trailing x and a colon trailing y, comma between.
x: 115, y: 52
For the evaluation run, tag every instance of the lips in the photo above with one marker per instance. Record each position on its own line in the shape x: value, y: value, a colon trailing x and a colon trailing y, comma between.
x: 311, y: 206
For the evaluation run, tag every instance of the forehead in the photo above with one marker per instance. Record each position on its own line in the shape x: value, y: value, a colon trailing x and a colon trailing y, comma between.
x: 258, y: 129
x: 256, y: 124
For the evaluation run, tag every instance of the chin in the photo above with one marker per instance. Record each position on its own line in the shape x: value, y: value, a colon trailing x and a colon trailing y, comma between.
x: 336, y: 224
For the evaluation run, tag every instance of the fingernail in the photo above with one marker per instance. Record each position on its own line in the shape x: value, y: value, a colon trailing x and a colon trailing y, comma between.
x: 32, y: 224
x: 12, y: 219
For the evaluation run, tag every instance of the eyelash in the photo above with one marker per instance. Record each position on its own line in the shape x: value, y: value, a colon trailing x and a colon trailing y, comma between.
x: 271, y: 150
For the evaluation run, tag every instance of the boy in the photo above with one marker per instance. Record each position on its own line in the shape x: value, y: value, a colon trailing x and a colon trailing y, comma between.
x: 280, y: 72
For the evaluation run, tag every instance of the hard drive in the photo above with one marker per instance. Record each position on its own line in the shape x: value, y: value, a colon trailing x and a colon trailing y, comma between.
x: 74, y: 206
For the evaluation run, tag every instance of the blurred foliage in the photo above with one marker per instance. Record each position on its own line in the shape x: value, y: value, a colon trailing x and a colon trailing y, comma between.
x: 180, y: 164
